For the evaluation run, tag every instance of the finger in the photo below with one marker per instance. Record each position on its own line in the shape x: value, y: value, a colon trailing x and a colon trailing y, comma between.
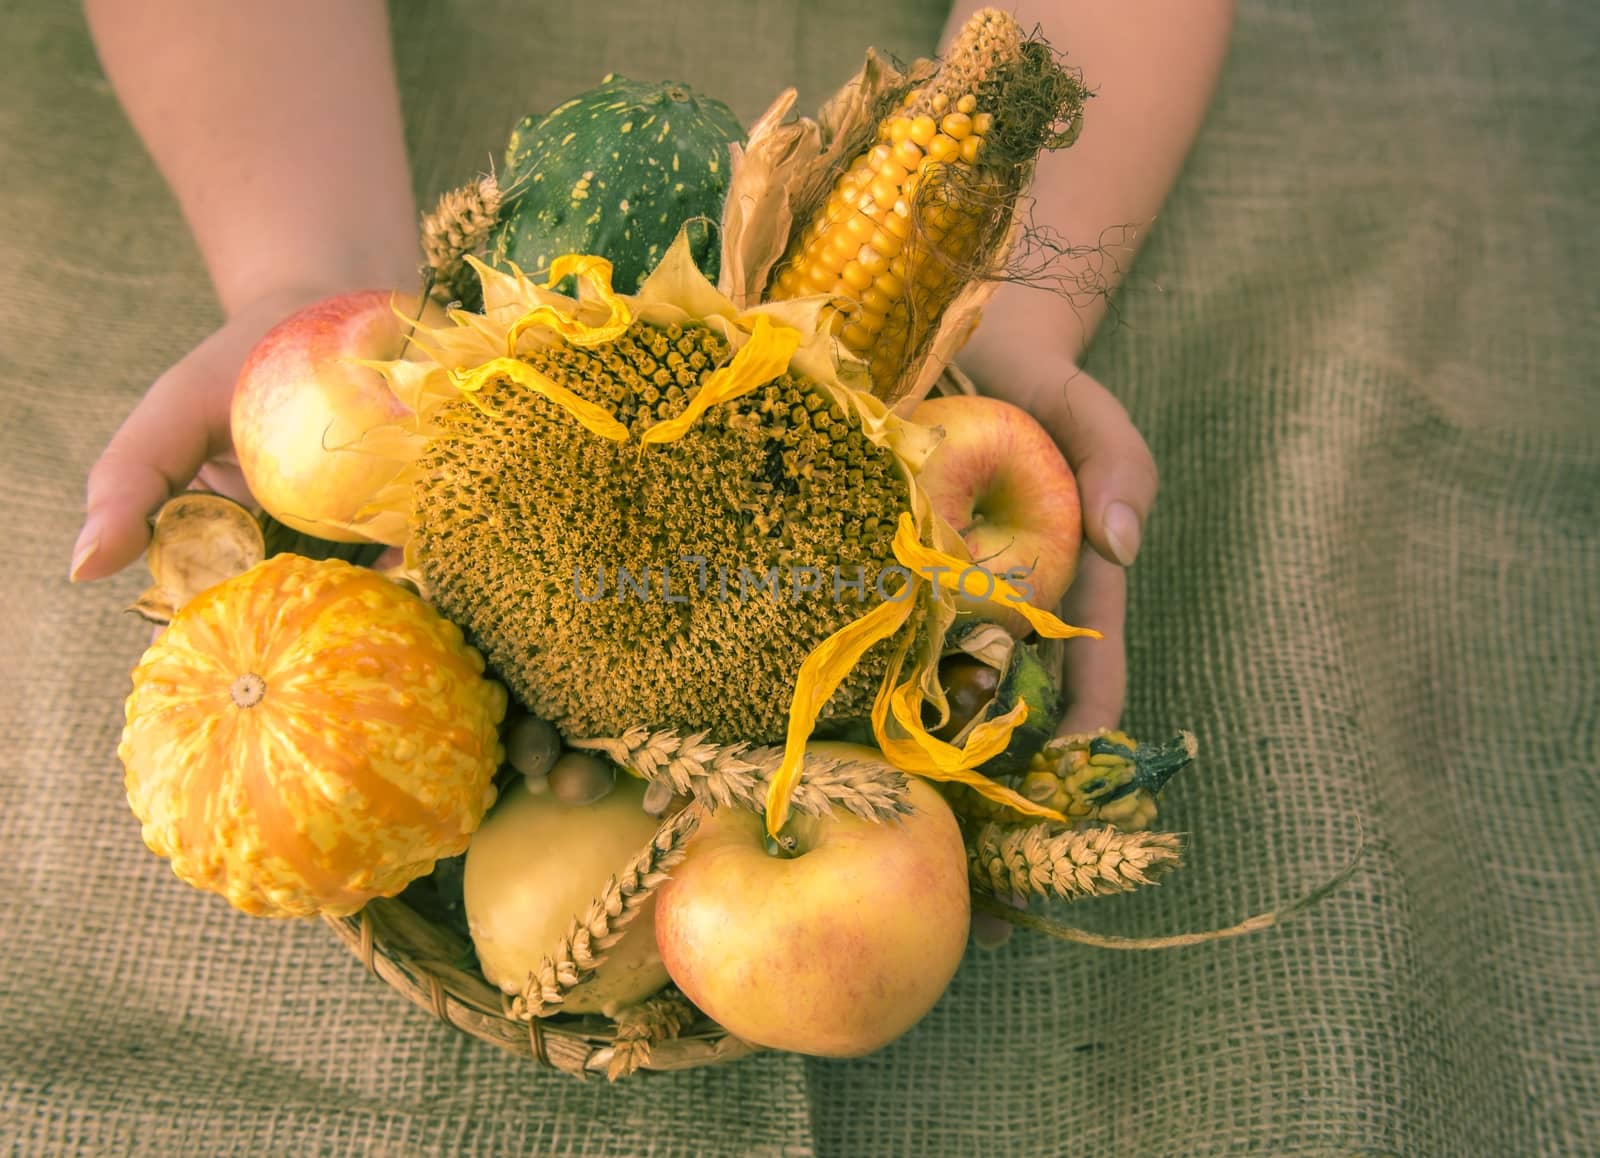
x: 153, y: 455
x: 1095, y: 676
x: 1117, y: 479
x: 225, y: 478
x: 989, y: 931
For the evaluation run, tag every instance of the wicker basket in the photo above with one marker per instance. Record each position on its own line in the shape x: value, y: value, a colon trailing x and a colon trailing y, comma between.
x: 436, y: 969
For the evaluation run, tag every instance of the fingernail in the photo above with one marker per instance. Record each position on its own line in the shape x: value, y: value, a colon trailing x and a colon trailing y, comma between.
x: 87, y: 545
x: 1122, y: 532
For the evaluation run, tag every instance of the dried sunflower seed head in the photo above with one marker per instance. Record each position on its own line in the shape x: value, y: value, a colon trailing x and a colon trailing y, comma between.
x: 610, y: 583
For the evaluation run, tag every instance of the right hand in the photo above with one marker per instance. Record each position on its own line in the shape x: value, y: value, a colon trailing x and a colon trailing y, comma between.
x: 176, y: 436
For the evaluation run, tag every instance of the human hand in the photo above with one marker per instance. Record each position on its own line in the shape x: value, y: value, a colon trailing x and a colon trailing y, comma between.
x: 1117, y: 484
x: 176, y: 435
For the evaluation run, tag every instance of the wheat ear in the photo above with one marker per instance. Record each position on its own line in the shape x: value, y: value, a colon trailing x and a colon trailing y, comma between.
x: 1044, y: 860
x: 641, y: 1026
x: 460, y: 225
x: 608, y: 917
x: 723, y: 774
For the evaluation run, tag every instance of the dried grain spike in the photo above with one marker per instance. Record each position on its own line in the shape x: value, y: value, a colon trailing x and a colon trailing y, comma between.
x: 656, y: 1019
x: 736, y: 774
x: 1044, y: 860
x: 458, y: 226
x: 591, y: 936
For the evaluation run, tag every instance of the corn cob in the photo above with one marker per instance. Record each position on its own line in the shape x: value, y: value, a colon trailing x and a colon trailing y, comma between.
x: 1102, y: 777
x: 922, y: 211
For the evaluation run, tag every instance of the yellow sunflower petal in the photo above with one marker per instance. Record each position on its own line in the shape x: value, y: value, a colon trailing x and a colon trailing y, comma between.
x: 986, y: 741
x: 931, y: 758
x: 948, y: 572
x: 596, y: 272
x: 820, y: 675
x: 593, y: 417
x: 762, y: 358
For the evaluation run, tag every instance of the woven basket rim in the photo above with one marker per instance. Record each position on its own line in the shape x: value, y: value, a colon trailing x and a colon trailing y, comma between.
x: 434, y: 968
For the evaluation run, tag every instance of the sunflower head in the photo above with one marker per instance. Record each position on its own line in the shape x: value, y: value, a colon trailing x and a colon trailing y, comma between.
x: 679, y: 582
x: 663, y: 510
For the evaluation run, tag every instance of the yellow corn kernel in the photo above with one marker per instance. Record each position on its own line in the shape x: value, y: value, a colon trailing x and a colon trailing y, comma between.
x: 908, y: 154
x: 897, y: 222
x: 855, y: 337
x: 890, y: 283
x: 872, y: 321
x: 874, y: 300
x: 872, y: 263
x: 940, y: 102
x: 943, y: 149
x: 860, y: 227
x: 957, y: 125
x: 819, y: 279
x: 884, y: 193
x: 899, y: 130
x: 840, y: 248
x: 982, y: 123
x: 885, y: 242
x: 923, y: 130
x: 854, y: 276
x: 969, y: 149
x: 967, y: 104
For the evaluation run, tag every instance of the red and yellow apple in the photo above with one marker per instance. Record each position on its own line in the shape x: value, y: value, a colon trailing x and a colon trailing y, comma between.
x: 835, y: 948
x: 999, y: 479
x: 303, y: 401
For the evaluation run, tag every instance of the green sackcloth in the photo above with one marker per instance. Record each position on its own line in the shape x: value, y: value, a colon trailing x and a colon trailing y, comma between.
x: 1363, y: 346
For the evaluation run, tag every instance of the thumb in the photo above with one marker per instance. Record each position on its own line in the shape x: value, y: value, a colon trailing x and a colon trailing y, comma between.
x: 178, y: 424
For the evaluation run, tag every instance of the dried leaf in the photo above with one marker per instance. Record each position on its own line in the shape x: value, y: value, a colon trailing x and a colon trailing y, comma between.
x: 199, y: 540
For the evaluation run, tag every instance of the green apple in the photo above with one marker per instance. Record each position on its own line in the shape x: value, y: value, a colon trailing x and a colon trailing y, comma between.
x: 834, y: 948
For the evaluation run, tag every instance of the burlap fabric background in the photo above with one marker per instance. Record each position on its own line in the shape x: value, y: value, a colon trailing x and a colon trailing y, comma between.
x: 1363, y: 346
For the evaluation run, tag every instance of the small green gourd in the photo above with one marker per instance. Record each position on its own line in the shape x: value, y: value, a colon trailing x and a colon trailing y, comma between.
x: 617, y: 171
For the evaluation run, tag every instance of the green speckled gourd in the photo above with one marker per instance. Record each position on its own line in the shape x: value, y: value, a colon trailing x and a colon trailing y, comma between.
x: 616, y: 171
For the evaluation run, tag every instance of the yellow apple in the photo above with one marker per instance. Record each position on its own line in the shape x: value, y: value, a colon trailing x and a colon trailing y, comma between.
x: 999, y: 479
x: 303, y: 399
x: 835, y: 949
x: 534, y: 865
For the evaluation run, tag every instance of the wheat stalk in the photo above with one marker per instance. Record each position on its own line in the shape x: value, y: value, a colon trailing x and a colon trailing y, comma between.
x: 641, y: 1026
x: 723, y: 774
x: 460, y: 225
x: 1044, y: 860
x: 592, y: 935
